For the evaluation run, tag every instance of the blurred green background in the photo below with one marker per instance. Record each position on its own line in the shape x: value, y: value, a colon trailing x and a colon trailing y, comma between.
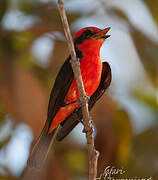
x: 33, y: 48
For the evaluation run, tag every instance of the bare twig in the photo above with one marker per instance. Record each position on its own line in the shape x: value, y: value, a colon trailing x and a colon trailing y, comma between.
x: 93, y: 154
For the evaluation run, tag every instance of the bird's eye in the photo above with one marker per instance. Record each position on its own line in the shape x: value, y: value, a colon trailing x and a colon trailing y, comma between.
x: 88, y: 33
x: 85, y: 35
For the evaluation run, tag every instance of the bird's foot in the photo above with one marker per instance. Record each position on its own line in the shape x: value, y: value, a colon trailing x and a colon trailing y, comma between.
x: 90, y: 130
x: 87, y: 99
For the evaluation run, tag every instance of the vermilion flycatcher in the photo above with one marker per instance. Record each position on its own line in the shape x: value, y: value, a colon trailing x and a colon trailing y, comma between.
x: 63, y: 108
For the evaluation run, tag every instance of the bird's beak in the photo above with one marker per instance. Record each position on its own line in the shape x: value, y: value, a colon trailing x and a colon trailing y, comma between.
x: 101, y: 34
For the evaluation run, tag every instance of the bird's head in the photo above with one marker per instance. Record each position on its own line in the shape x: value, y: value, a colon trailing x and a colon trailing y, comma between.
x: 90, y: 38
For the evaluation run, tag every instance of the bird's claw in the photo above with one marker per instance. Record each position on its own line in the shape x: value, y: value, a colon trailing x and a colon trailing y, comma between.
x: 91, y: 130
x: 87, y: 99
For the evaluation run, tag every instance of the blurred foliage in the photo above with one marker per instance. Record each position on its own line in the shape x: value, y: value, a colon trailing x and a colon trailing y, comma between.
x: 152, y: 5
x: 25, y: 86
x: 3, y: 8
x: 2, y: 113
x: 146, y: 98
x: 79, y: 161
x: 146, y: 48
x: 124, y: 135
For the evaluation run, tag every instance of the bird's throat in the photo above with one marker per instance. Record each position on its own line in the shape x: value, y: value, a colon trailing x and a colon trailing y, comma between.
x: 90, y: 47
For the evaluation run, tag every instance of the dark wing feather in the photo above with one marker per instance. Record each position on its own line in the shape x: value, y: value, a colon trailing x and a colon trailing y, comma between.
x: 77, y: 116
x: 59, y: 90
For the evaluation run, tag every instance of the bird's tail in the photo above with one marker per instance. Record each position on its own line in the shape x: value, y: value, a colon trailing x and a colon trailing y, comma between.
x: 41, y: 148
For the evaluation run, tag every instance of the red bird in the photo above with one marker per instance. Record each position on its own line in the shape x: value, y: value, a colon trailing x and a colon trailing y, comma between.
x: 64, y: 98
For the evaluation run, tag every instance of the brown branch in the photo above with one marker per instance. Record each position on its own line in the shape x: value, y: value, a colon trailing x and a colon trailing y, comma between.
x: 93, y: 154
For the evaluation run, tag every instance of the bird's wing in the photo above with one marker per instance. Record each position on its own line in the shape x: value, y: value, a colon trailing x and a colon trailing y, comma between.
x: 71, y: 121
x: 59, y: 90
x: 58, y: 93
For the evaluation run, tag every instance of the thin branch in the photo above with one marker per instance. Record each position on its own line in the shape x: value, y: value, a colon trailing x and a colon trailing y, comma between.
x: 93, y: 154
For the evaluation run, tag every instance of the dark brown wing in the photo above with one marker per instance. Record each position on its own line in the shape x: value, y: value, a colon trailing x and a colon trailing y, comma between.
x: 59, y: 90
x: 77, y: 116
